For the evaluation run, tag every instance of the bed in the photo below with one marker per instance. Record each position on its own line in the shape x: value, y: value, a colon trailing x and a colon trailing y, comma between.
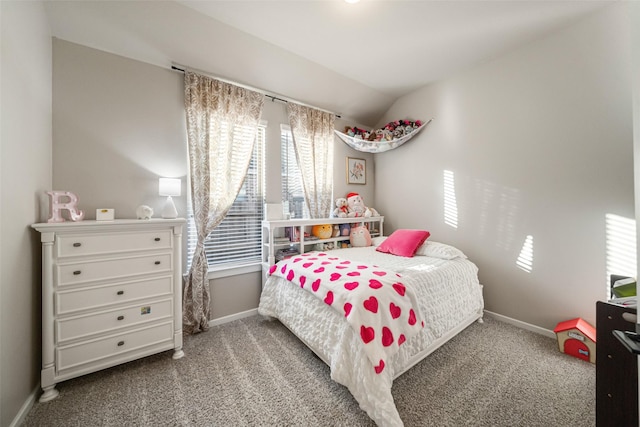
x: 448, y: 297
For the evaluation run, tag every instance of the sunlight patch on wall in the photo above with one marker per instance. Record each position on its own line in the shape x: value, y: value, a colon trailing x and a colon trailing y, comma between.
x: 450, y: 203
x: 508, y: 204
x: 497, y: 211
x: 525, y: 259
x: 621, y: 247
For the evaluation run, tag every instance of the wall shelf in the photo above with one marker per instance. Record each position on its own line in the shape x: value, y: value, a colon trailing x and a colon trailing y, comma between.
x: 367, y: 146
x: 273, y: 228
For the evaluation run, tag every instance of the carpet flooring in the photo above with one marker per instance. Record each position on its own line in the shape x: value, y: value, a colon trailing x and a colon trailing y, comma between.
x: 254, y: 372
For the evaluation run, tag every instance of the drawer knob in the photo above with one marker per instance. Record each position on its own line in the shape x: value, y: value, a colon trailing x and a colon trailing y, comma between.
x: 157, y: 262
x: 77, y: 272
x: 120, y: 343
x: 120, y: 317
x: 157, y: 239
x: 77, y: 245
x: 120, y: 292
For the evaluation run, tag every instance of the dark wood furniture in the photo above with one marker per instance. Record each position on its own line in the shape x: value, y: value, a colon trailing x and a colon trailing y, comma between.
x: 616, y: 368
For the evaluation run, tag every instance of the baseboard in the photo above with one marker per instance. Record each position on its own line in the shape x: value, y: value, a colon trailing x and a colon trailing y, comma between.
x: 232, y: 317
x: 26, y: 407
x: 521, y: 324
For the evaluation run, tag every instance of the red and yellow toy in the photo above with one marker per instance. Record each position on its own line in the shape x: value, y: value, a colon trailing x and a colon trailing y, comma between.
x: 577, y: 338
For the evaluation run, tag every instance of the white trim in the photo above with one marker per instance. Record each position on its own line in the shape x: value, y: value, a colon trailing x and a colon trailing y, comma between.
x: 232, y: 317
x: 522, y: 325
x: 222, y: 271
x: 26, y: 407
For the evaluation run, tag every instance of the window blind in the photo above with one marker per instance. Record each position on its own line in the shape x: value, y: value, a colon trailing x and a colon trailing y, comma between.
x: 237, y: 239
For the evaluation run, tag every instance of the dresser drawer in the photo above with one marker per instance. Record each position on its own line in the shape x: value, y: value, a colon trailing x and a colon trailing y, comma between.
x: 93, y: 244
x: 95, y: 297
x: 112, y: 320
x: 90, y: 351
x: 109, y: 269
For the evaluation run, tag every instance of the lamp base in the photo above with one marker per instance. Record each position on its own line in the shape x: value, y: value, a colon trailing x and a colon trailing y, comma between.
x: 169, y: 211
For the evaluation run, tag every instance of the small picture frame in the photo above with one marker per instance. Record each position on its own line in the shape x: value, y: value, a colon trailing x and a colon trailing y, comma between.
x: 356, y: 171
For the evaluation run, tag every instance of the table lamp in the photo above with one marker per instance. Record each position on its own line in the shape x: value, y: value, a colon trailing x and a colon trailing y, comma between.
x: 169, y: 187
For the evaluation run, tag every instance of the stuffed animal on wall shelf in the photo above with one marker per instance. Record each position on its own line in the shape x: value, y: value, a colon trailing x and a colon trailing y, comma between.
x: 322, y: 231
x: 360, y: 237
x: 357, y: 208
x: 341, y: 209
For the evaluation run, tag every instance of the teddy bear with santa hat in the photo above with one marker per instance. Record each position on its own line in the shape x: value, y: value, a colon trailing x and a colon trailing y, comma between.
x: 357, y: 208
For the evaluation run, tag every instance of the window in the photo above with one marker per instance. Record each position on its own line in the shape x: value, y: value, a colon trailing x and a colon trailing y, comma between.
x: 292, y: 190
x: 236, y: 241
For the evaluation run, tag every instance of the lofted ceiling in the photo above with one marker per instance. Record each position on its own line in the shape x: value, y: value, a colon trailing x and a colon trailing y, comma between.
x: 354, y: 59
x: 396, y: 46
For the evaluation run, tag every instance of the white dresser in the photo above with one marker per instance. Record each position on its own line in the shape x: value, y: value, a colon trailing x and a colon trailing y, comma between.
x: 111, y: 293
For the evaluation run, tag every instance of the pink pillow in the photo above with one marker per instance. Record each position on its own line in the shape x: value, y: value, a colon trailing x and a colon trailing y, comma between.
x: 403, y: 242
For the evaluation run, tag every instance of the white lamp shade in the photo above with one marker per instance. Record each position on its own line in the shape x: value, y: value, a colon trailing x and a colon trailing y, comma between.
x: 169, y: 186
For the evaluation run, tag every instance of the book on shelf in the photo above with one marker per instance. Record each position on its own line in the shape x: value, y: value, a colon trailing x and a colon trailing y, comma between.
x: 286, y: 253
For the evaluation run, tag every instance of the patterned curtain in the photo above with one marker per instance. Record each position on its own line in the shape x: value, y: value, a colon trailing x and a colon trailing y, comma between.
x: 222, y: 123
x: 313, y: 139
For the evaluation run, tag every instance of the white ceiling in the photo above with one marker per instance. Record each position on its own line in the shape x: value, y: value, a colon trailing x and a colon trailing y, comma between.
x: 396, y: 46
x: 353, y: 59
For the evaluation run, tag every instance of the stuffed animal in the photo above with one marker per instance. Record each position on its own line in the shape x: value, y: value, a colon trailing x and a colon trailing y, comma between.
x: 325, y: 246
x: 322, y: 231
x: 360, y: 237
x: 398, y: 132
x: 345, y: 229
x: 336, y: 231
x: 144, y: 212
x: 341, y: 209
x: 357, y: 207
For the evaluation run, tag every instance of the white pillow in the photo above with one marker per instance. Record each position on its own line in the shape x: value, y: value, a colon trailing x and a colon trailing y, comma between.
x: 377, y: 241
x: 439, y: 250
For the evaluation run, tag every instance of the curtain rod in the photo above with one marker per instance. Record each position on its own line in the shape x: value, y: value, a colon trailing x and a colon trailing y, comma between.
x: 182, y: 69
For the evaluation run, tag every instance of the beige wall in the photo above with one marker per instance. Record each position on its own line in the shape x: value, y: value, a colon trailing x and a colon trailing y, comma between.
x: 118, y: 124
x: 539, y: 143
x: 25, y: 173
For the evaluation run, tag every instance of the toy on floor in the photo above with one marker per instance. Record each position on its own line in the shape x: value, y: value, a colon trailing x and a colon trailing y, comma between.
x: 577, y: 338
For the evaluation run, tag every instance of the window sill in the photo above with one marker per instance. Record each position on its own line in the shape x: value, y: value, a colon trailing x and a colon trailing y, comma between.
x: 220, y: 272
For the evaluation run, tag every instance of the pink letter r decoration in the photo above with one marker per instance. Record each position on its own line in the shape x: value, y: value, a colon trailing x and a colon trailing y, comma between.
x: 56, y: 206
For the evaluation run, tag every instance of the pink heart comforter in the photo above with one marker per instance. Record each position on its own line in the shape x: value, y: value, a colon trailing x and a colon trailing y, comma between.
x: 375, y: 302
